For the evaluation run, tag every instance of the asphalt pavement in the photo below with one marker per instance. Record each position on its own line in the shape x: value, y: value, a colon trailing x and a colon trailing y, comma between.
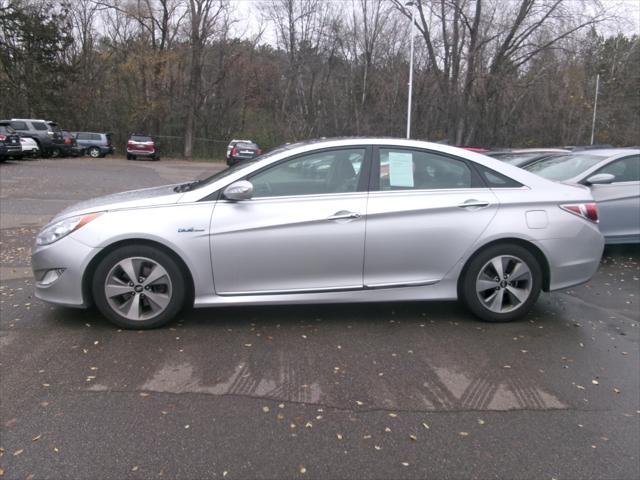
x: 375, y: 391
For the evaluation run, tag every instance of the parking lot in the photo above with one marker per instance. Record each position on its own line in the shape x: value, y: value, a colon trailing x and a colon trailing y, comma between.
x: 393, y: 390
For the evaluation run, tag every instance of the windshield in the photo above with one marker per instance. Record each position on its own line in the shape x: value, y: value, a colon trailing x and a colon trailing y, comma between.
x: 564, y: 167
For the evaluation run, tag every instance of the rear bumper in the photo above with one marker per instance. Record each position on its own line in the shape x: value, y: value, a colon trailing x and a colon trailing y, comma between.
x: 141, y: 153
x: 573, y: 263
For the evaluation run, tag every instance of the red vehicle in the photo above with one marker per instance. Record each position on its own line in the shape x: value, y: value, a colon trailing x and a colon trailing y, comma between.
x: 143, y: 146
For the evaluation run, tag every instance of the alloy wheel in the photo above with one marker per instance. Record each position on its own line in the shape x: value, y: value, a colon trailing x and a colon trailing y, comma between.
x: 138, y: 288
x: 504, y: 283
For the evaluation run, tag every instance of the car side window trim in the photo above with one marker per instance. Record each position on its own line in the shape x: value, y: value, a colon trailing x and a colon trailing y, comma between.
x: 362, y: 187
x: 362, y: 180
x: 374, y: 178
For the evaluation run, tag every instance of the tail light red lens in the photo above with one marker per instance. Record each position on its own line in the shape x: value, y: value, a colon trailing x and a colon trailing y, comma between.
x: 588, y: 211
x: 67, y: 141
x: 234, y: 151
x: 3, y: 138
x: 259, y: 152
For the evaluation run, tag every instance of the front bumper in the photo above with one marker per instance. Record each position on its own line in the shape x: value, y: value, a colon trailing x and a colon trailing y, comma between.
x: 68, y: 255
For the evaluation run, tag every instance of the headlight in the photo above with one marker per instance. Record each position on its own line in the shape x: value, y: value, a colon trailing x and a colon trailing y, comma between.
x: 60, y: 229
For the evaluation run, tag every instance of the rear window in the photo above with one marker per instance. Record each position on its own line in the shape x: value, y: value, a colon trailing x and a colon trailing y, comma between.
x: 95, y: 136
x: 19, y: 125
x: 6, y: 129
x: 141, y: 138
x: 40, y: 125
x: 247, y: 145
x: 564, y: 167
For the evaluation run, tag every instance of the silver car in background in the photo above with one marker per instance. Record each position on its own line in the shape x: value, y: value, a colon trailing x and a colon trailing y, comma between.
x: 330, y: 221
x: 613, y: 175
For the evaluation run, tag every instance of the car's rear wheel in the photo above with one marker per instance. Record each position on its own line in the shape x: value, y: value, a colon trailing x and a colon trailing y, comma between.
x: 501, y: 283
x: 55, y: 152
x: 139, y: 287
x: 94, y: 152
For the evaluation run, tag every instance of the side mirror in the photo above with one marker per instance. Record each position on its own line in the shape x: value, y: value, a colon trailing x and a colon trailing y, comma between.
x: 600, y: 179
x: 241, y: 190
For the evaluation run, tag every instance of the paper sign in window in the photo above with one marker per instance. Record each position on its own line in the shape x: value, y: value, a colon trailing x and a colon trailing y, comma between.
x: 400, y: 169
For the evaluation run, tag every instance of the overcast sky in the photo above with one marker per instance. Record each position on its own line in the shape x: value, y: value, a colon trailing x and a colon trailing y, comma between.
x: 251, y: 21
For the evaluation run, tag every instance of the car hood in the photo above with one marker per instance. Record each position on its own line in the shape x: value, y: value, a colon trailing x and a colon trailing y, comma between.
x: 146, y: 197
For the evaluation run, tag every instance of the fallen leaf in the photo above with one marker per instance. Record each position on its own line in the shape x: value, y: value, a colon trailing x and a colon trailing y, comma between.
x: 280, y: 416
x: 36, y: 438
x: 265, y: 409
x: 358, y: 402
x: 413, y: 437
x: 302, y: 469
x: 595, y: 382
x: 480, y: 421
x: 339, y: 435
x: 18, y: 452
x: 247, y: 344
x: 387, y: 429
x: 393, y: 415
x: 187, y: 426
x: 377, y: 447
x: 225, y: 473
x: 425, y: 426
x: 580, y: 387
x: 463, y: 434
x: 308, y: 425
x: 617, y: 390
x: 281, y: 405
x: 143, y: 394
x: 405, y: 464
x: 135, y: 468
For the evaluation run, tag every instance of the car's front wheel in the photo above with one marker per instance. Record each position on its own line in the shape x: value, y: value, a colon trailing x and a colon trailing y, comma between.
x: 139, y: 287
x: 501, y: 283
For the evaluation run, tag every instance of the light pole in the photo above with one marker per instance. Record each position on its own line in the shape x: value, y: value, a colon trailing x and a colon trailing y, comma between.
x: 412, y: 6
x: 595, y: 109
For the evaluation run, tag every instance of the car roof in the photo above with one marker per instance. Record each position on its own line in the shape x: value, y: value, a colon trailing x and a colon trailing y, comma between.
x: 28, y: 120
x: 605, y: 152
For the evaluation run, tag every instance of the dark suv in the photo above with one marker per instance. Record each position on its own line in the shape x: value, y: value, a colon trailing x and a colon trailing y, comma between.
x: 94, y: 144
x: 47, y: 138
x: 140, y: 145
x: 71, y: 147
x: 10, y: 146
x: 239, y: 150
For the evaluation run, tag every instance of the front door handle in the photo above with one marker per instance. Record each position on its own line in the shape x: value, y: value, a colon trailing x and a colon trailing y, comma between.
x: 473, y: 203
x: 343, y: 215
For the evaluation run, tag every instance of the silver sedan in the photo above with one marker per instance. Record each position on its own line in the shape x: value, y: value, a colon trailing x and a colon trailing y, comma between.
x: 614, y: 178
x: 345, y: 220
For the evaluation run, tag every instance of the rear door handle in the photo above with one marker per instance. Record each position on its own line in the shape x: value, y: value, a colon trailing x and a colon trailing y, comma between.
x: 473, y: 203
x: 343, y: 215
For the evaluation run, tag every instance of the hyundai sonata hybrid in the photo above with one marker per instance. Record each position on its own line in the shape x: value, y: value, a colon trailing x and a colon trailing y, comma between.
x: 328, y: 221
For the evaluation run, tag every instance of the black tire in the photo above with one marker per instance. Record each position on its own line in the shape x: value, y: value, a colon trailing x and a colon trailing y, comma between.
x: 178, y: 283
x: 129, y: 156
x: 467, y: 286
x: 56, y: 152
x: 94, y: 152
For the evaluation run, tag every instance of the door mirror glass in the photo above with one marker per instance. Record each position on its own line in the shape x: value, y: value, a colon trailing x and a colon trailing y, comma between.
x: 241, y: 190
x: 600, y: 179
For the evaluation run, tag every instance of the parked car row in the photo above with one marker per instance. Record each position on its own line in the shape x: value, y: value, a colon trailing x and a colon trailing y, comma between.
x: 28, y: 137
x: 612, y: 175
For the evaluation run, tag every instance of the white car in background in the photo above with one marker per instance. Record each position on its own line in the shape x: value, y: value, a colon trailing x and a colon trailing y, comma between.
x: 29, y: 147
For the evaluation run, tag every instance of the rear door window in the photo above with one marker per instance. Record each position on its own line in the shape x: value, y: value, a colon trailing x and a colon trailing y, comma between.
x: 407, y: 169
x: 40, y: 126
x: 19, y: 125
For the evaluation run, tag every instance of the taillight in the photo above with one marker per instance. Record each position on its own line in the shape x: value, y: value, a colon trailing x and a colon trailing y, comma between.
x: 588, y: 211
x: 234, y: 151
x: 67, y: 141
x: 259, y: 152
x: 129, y: 143
x: 3, y: 138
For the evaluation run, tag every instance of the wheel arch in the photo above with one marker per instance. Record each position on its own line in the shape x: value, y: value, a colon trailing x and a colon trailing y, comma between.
x: 529, y: 246
x: 93, y: 264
